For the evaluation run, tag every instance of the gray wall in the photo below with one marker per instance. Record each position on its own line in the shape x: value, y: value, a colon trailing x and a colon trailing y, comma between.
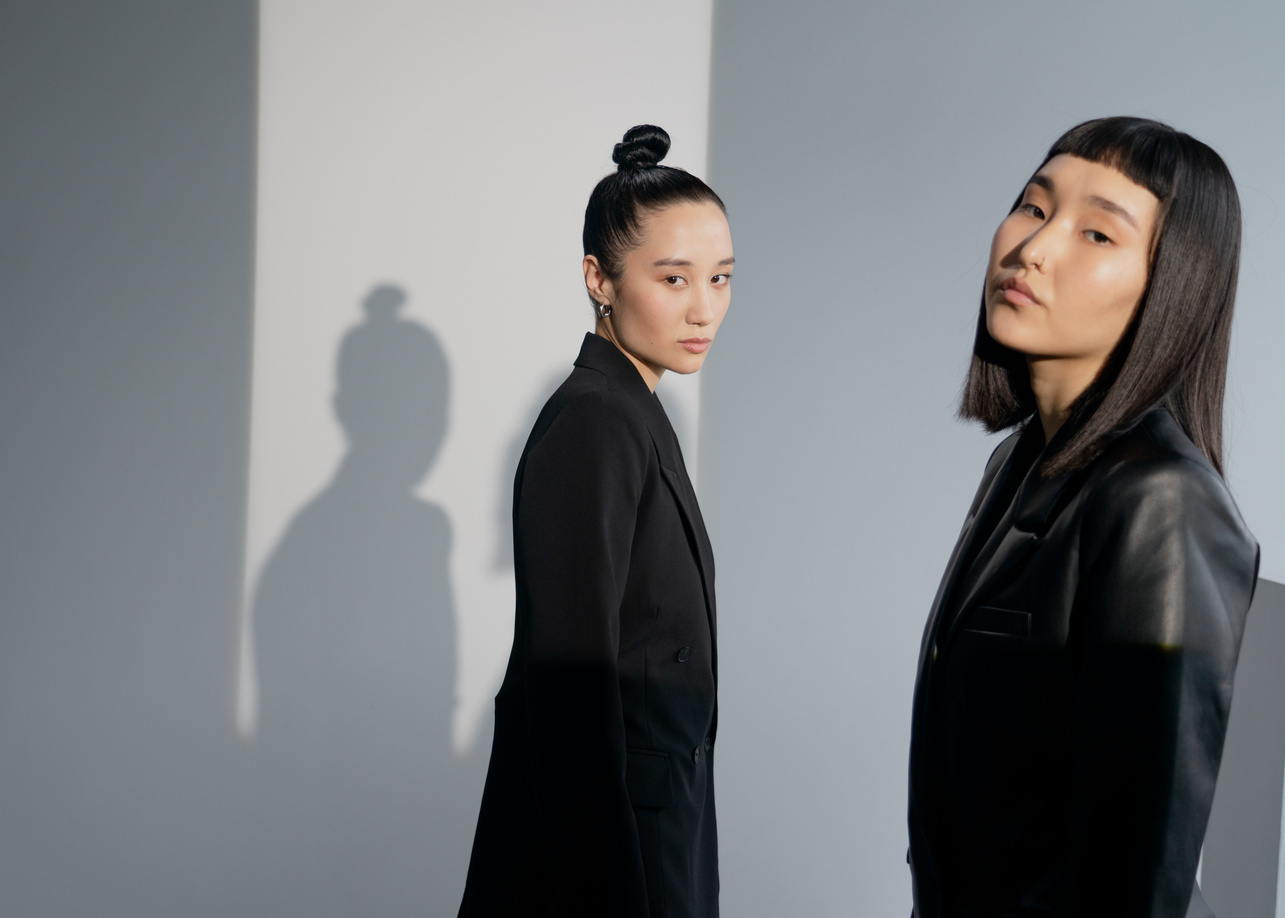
x: 866, y: 153
x: 126, y: 242
x: 1241, y: 863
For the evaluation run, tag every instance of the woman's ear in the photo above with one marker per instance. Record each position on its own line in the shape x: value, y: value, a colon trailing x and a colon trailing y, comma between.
x: 597, y: 282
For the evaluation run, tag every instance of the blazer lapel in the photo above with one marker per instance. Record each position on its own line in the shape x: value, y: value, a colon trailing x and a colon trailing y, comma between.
x: 1006, y: 547
x: 1018, y: 532
x: 600, y: 354
x: 983, y: 506
x: 946, y: 587
x: 676, y: 477
x: 674, y: 471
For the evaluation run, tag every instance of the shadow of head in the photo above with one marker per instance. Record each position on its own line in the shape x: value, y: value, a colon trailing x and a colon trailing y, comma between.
x: 393, y: 385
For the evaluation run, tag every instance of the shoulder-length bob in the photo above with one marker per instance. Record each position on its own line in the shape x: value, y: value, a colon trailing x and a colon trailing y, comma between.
x: 1174, y: 350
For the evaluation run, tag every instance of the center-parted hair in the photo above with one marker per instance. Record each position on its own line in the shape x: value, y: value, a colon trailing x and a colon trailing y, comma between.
x: 1174, y: 350
x: 639, y: 186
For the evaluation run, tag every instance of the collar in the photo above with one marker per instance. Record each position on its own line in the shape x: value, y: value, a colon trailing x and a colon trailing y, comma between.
x: 600, y: 354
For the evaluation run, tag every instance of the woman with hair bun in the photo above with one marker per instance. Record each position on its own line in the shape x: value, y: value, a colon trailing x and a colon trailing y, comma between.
x: 1075, y: 676
x: 599, y: 798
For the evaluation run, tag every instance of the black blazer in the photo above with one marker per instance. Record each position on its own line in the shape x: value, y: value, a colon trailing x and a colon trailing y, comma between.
x: 599, y: 800
x: 1074, y: 684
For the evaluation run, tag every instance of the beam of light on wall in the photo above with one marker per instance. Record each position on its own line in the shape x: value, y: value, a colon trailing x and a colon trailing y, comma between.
x: 447, y: 151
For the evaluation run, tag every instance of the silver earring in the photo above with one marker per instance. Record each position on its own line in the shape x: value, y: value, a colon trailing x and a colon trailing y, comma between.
x: 604, y: 310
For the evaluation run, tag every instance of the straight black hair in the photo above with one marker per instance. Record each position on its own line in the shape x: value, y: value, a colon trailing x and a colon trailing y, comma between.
x: 640, y: 185
x: 1174, y: 350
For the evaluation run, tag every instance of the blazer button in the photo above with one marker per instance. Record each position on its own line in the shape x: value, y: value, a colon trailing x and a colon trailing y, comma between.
x: 684, y: 654
x: 696, y: 755
x: 709, y: 744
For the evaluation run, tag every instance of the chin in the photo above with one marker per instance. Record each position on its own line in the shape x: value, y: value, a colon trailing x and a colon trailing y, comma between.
x: 689, y: 366
x: 1002, y: 329
x: 1017, y: 345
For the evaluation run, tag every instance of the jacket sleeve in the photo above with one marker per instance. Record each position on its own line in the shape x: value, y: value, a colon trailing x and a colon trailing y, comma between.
x: 573, y: 532
x: 1167, y: 573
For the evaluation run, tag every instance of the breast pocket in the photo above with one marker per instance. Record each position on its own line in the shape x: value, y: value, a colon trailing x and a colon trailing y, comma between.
x: 993, y: 620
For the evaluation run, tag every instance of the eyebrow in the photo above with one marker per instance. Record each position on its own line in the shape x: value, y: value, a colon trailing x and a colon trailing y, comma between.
x: 682, y: 263
x: 1093, y: 200
x: 1112, y: 207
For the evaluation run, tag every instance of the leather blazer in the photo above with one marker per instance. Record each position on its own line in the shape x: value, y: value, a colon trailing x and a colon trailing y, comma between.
x: 599, y: 798
x: 1074, y: 683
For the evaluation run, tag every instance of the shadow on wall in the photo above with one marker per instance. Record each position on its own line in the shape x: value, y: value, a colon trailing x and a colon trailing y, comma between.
x: 361, y: 807
x: 502, y: 561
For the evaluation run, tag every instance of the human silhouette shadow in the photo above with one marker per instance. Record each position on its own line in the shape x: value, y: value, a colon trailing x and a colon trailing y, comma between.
x: 502, y: 559
x: 363, y: 807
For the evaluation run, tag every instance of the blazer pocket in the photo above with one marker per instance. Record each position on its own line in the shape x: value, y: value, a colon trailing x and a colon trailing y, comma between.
x: 647, y: 778
x: 991, y: 620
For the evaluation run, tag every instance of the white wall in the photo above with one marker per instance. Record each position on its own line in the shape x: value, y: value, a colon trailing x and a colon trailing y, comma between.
x: 448, y: 150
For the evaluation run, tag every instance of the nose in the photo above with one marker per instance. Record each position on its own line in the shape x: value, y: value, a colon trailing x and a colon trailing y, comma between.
x: 701, y: 309
x: 1036, y: 249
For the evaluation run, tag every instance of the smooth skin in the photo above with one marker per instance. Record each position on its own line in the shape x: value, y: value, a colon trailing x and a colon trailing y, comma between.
x: 1067, y: 270
x: 672, y: 293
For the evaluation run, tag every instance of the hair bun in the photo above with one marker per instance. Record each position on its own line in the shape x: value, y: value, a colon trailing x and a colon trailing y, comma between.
x: 643, y: 146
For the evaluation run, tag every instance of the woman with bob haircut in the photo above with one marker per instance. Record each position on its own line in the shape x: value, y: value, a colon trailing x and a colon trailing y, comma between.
x: 1075, y: 675
x: 599, y: 799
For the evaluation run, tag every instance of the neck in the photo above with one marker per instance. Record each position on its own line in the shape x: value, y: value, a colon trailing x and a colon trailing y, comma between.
x: 1057, y: 383
x: 650, y: 374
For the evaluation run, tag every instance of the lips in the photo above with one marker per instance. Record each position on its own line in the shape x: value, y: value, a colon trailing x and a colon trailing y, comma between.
x: 696, y: 345
x: 1018, y: 292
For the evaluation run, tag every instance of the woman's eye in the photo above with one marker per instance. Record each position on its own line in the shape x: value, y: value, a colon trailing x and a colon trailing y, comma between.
x: 721, y: 278
x: 674, y: 280
x: 1032, y: 210
x: 1095, y: 236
